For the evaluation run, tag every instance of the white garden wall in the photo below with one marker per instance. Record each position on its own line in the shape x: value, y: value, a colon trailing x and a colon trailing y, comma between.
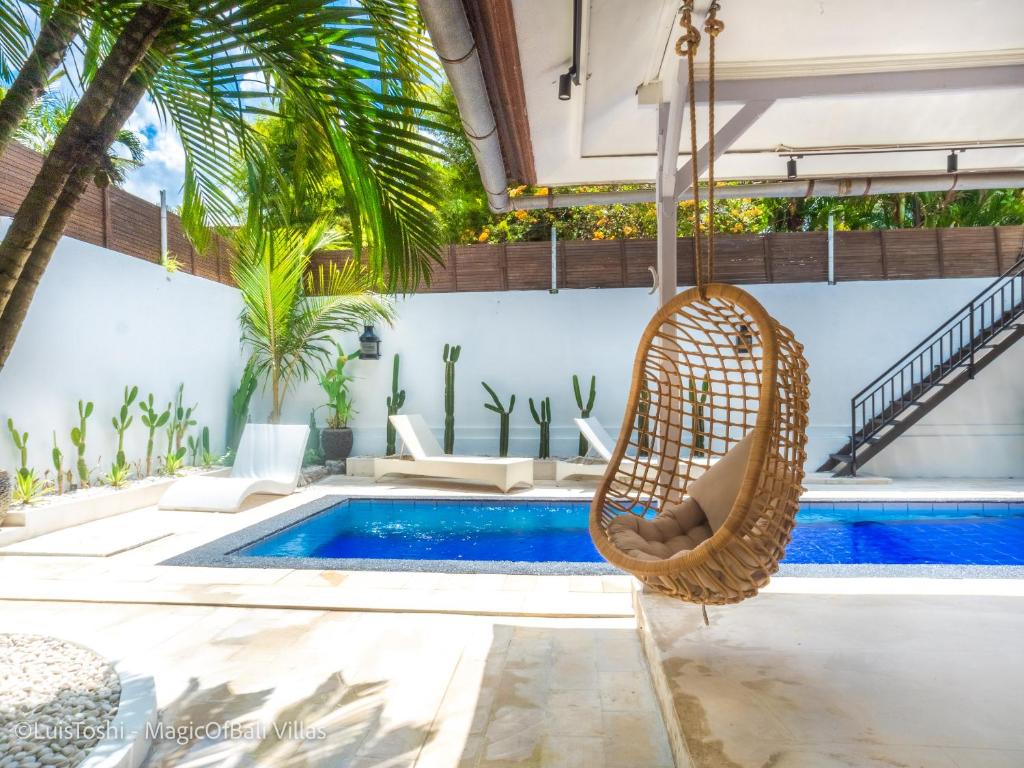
x: 531, y: 343
x: 101, y: 320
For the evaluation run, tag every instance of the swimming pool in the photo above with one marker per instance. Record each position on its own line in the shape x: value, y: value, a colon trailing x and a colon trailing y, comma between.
x: 515, y: 535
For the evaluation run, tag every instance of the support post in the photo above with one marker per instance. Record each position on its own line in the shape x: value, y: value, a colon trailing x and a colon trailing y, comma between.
x: 831, y: 250
x: 666, y: 209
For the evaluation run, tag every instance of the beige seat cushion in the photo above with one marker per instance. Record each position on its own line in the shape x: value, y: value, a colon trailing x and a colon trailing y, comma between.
x: 716, y: 490
x: 676, y: 529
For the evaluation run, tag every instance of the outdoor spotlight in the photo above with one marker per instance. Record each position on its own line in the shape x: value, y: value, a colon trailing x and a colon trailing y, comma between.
x: 565, y: 86
x: 952, y: 163
x: 791, y: 168
x: 369, y: 344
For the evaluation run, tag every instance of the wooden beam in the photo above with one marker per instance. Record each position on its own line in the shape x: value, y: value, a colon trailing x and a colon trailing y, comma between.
x: 860, y: 84
x: 725, y: 137
x: 666, y: 210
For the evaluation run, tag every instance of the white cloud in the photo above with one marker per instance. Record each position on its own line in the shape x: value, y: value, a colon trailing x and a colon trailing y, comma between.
x: 165, y: 157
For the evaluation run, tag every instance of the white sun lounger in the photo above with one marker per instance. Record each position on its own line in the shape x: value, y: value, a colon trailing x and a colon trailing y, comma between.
x: 269, y: 460
x: 428, y: 460
x: 603, y: 444
x: 600, y: 442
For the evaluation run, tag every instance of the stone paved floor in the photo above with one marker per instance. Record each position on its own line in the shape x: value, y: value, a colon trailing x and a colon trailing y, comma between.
x: 387, y: 690
x: 833, y: 681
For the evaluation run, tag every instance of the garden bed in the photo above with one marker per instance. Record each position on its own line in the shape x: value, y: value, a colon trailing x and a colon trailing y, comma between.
x: 55, y: 512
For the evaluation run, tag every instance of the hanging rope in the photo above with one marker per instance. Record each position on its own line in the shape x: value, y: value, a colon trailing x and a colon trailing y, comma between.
x: 687, y: 45
x: 690, y: 41
x: 713, y: 27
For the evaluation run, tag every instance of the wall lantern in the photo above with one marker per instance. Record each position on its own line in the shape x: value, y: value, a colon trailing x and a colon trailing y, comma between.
x: 791, y: 168
x: 951, y: 162
x: 369, y: 344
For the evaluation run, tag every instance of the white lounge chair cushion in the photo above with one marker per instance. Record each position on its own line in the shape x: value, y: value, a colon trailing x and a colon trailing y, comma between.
x: 218, y: 494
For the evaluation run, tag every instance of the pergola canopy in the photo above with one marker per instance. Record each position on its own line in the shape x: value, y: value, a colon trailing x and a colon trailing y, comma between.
x: 874, y: 87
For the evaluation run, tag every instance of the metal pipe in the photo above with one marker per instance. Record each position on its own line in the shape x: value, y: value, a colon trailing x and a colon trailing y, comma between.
x: 850, y: 187
x: 453, y: 40
x: 163, y: 223
x: 554, y: 260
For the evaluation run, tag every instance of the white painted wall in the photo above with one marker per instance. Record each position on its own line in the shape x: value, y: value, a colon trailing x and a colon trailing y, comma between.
x: 531, y: 343
x: 101, y: 320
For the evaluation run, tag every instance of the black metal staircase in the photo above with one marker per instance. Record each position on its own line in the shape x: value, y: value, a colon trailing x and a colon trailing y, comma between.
x: 933, y: 370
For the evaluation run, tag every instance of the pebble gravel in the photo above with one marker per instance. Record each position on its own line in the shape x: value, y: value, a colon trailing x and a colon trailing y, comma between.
x: 57, y: 700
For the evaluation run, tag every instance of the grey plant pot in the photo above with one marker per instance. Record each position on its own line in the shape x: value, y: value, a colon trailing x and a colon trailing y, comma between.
x: 336, y: 443
x: 5, y: 494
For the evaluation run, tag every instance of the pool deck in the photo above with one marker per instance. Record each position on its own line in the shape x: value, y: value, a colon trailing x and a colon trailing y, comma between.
x: 491, y: 670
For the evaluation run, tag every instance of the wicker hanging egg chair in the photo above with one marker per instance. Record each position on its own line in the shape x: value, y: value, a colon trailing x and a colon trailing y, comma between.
x: 701, y: 493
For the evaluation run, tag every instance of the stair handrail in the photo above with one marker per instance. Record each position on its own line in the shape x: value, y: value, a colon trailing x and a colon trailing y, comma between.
x: 968, y: 308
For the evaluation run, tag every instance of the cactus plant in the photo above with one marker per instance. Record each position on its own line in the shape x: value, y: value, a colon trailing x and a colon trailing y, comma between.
x: 208, y: 458
x: 182, y: 418
x: 21, y: 443
x: 643, y: 424
x: 78, y: 440
x: 193, y: 449
x: 27, y: 486
x: 543, y: 418
x: 153, y: 421
x: 239, y: 415
x: 395, y: 401
x: 58, y: 464
x: 450, y: 357
x: 697, y: 404
x: 313, y: 452
x: 584, y: 409
x: 503, y: 413
x: 121, y: 423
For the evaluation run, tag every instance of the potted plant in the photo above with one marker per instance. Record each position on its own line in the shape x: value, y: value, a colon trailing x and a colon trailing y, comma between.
x: 336, y: 437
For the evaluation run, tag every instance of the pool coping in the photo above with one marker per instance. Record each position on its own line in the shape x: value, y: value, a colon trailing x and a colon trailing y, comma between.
x: 223, y: 552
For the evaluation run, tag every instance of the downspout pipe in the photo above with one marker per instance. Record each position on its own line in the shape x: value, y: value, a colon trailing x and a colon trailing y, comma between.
x: 855, y: 187
x: 453, y: 40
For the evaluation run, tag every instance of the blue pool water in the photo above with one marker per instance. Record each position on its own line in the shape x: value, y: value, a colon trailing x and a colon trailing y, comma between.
x: 556, y: 531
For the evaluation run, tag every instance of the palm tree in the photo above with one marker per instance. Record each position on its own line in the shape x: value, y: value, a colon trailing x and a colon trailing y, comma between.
x: 351, y: 71
x: 290, y: 313
x: 47, y: 118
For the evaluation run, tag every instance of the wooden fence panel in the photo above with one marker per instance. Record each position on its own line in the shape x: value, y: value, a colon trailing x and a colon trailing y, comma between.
x: 128, y: 224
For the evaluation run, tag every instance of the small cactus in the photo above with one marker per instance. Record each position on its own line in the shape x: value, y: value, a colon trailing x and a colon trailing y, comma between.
x: 58, y: 464
x: 450, y: 358
x: 697, y: 403
x: 503, y: 414
x: 121, y: 423
x: 584, y: 409
x: 543, y: 418
x: 182, y: 417
x: 153, y: 421
x: 21, y: 443
x: 395, y: 401
x: 643, y: 424
x: 78, y: 440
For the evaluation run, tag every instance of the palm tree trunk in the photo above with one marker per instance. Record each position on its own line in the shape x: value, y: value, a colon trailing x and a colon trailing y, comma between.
x: 13, y: 316
x: 76, y: 142
x: 50, y: 47
x: 275, y: 388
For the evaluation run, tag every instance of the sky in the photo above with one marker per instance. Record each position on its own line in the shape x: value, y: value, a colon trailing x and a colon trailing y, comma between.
x: 165, y: 159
